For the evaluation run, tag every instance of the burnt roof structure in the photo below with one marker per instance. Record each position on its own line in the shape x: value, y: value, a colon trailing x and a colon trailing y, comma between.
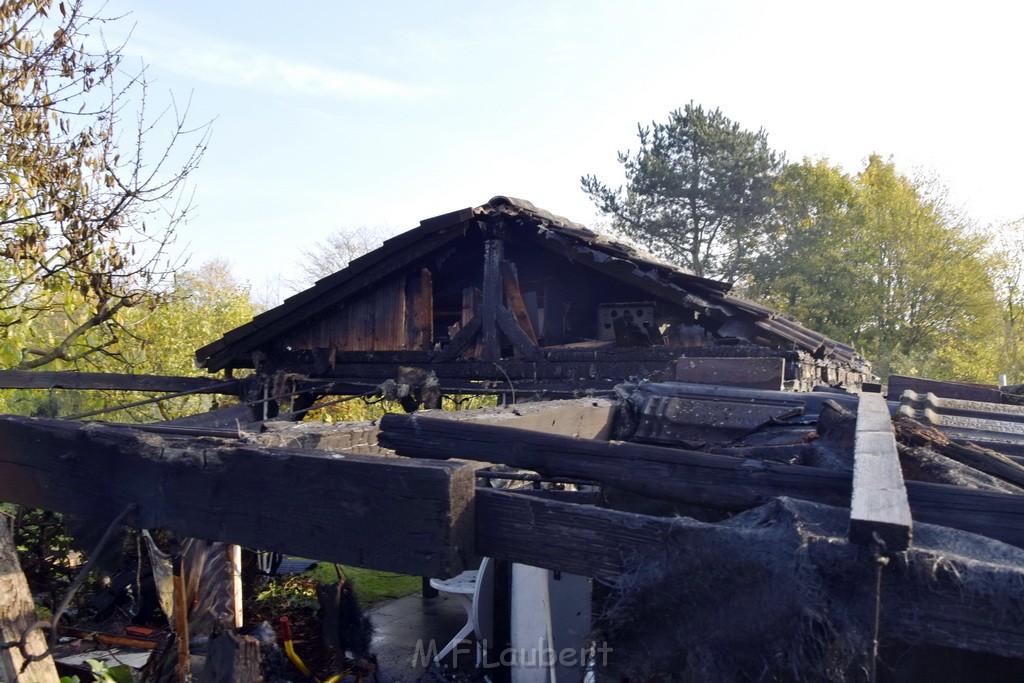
x: 507, y: 292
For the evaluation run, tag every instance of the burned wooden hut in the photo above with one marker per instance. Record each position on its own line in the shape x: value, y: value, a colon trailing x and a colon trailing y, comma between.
x: 506, y: 296
x: 734, y: 531
x: 811, y: 538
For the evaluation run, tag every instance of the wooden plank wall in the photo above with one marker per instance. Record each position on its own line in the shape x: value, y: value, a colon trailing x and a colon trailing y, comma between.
x: 374, y: 322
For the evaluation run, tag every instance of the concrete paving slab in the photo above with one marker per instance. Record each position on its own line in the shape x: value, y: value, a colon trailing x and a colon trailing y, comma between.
x: 409, y: 631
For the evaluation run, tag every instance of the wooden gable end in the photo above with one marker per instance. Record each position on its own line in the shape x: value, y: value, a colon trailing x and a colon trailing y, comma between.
x: 396, y: 316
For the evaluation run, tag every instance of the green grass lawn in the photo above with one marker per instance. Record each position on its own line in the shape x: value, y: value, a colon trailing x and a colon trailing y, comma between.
x: 372, y: 587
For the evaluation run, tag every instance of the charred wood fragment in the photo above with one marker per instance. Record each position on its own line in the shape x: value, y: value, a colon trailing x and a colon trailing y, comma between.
x: 688, y: 476
x: 914, y: 433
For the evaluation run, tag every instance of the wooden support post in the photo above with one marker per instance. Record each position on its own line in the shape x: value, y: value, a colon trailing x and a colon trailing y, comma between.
x: 472, y: 301
x: 234, y: 553
x: 494, y: 251
x: 17, y: 613
x: 419, y: 297
x: 390, y: 514
x: 502, y: 621
x: 181, y: 622
x: 879, y: 504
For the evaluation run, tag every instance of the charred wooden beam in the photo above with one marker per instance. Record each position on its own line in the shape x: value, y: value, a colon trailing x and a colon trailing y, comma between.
x: 612, y: 371
x: 573, y: 355
x: 983, y: 459
x: 514, y: 296
x: 879, y: 509
x: 605, y: 544
x: 66, y: 379
x: 751, y: 373
x: 568, y: 537
x: 388, y: 514
x: 471, y: 297
x: 463, y: 338
x: 657, y: 472
x: 520, y: 340
x: 176, y: 430
x: 685, y: 476
x: 534, y: 389
x: 584, y: 418
x: 494, y: 253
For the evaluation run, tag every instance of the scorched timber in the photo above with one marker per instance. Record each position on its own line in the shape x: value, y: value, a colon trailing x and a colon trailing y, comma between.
x: 879, y: 508
x: 388, y: 514
x: 63, y: 379
x: 690, y: 477
x: 604, y: 544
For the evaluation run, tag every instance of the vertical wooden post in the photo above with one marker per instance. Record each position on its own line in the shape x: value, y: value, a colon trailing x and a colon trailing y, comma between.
x: 419, y: 297
x: 502, y: 621
x: 494, y: 251
x: 234, y: 553
x: 17, y: 613
x: 554, y: 331
x: 181, y: 622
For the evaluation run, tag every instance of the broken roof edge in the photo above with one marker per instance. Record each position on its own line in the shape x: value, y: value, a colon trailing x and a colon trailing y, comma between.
x: 299, y: 308
x: 602, y: 241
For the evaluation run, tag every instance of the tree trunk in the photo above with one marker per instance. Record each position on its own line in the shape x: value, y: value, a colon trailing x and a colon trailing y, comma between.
x: 16, y: 615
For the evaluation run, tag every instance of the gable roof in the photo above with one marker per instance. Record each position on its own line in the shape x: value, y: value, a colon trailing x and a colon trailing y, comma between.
x: 557, y: 233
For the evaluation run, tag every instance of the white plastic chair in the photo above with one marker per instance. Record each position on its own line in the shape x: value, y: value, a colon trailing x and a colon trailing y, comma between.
x: 474, y: 591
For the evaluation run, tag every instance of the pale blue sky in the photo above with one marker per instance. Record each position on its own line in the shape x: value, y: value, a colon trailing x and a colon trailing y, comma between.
x: 334, y: 115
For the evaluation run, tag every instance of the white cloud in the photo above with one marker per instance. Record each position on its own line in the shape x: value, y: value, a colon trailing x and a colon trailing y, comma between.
x: 241, y: 65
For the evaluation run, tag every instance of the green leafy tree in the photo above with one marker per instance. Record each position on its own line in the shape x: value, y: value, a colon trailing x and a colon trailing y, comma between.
x: 876, y: 259
x: 86, y: 217
x: 807, y: 264
x: 698, y: 192
x: 204, y: 303
x: 1008, y: 265
x: 160, y: 339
